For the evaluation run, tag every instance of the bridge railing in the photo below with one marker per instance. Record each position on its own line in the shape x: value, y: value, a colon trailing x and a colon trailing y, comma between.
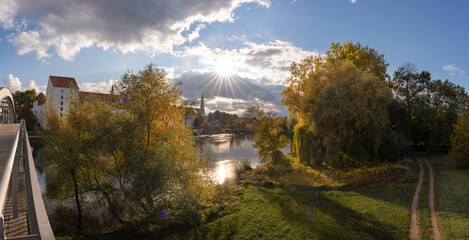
x: 38, y: 225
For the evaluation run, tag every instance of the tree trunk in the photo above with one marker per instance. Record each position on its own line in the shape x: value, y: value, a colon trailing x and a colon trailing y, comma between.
x: 77, y: 200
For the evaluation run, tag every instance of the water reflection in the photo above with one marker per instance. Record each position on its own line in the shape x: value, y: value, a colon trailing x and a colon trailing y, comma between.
x: 227, y: 149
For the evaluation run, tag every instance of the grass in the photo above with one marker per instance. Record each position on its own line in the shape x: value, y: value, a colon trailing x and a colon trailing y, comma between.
x: 296, y: 211
x: 305, y: 212
x: 424, y: 207
x: 451, y: 197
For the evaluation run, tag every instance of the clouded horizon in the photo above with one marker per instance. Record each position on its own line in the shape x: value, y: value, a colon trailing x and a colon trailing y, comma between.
x: 235, y: 52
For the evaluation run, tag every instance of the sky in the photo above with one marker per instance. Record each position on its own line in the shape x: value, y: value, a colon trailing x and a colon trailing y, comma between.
x: 235, y: 52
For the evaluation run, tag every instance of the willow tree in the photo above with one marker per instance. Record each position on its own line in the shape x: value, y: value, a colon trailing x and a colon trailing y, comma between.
x: 341, y: 106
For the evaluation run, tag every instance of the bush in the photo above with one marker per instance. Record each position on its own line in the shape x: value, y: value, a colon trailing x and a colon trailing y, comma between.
x: 377, y: 175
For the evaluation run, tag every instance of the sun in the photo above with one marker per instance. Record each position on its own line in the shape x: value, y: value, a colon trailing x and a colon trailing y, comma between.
x: 224, y: 67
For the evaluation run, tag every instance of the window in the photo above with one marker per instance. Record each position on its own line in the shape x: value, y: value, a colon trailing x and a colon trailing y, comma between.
x: 61, y: 115
x: 62, y: 97
x: 61, y: 109
x: 61, y: 90
x: 61, y: 102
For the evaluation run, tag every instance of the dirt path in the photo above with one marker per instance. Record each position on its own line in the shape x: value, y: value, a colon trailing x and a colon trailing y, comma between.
x: 436, y: 232
x: 414, y: 224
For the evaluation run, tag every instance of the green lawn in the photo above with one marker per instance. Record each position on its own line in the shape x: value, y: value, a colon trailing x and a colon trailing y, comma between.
x: 423, y: 207
x: 301, y: 212
x: 452, y: 197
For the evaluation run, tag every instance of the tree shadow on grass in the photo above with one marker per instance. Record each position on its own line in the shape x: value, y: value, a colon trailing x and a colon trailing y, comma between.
x: 319, y: 217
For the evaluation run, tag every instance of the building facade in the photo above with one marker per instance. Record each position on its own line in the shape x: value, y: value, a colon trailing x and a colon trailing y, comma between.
x: 39, y: 108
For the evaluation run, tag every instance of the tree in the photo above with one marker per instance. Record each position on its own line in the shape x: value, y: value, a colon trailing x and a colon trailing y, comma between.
x: 162, y: 163
x: 25, y: 98
x: 342, y: 112
x: 136, y: 157
x: 363, y: 57
x: 460, y: 140
x: 405, y: 85
x: 67, y: 144
x: 431, y: 106
x: 24, y: 112
x: 270, y: 135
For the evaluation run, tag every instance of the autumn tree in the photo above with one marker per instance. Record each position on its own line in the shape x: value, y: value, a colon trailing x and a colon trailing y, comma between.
x: 67, y: 144
x: 163, y: 163
x: 341, y: 106
x: 460, y: 140
x: 135, y: 156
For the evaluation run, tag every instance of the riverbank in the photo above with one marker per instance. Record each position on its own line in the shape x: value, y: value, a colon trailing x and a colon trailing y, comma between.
x: 299, y: 211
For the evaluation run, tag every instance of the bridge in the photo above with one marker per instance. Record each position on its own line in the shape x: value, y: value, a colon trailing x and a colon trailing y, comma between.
x: 7, y: 106
x: 22, y: 211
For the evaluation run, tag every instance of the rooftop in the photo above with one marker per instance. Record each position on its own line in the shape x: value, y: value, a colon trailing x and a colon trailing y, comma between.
x: 65, y: 82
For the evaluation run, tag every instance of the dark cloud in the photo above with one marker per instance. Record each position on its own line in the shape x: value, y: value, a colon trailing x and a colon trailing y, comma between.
x: 149, y: 25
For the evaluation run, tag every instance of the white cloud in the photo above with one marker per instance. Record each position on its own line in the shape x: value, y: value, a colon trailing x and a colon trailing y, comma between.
x: 195, y: 34
x: 149, y: 26
x: 453, y: 70
x: 31, y: 85
x: 238, y: 106
x: 241, y: 38
x: 8, y: 10
x: 233, y: 94
x: 353, y: 1
x: 14, y: 84
x: 99, y: 87
x: 268, y: 63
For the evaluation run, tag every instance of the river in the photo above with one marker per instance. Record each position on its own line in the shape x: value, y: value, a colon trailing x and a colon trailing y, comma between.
x: 226, y: 150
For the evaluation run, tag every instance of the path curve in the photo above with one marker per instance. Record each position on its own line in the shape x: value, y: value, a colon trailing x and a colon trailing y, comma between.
x: 414, y: 233
x: 436, y: 231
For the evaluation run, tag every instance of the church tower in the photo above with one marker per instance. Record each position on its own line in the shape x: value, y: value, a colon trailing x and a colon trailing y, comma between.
x: 202, y: 105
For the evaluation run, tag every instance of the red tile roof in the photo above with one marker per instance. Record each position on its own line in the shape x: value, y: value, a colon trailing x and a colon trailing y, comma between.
x: 41, y: 99
x: 65, y: 82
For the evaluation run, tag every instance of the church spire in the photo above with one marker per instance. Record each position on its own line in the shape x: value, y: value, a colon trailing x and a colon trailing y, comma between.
x: 202, y: 105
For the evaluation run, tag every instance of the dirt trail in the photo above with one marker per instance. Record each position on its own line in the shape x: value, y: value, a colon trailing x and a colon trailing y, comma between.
x: 436, y: 231
x: 414, y: 224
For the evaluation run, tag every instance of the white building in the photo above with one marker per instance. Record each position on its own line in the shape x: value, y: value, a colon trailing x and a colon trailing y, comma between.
x: 61, y: 92
x: 39, y: 108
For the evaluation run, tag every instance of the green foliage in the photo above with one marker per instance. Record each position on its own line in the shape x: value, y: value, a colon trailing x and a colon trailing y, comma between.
x: 137, y: 158
x: 25, y: 98
x: 24, y: 112
x: 343, y: 107
x: 431, y: 107
x: 363, y: 57
x: 460, y: 140
x: 270, y: 139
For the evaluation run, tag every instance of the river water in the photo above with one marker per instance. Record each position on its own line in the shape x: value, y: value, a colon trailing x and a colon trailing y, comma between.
x: 226, y: 150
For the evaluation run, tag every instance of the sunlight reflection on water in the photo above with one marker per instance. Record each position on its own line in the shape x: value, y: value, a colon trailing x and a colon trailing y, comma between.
x: 224, y: 170
x: 227, y: 149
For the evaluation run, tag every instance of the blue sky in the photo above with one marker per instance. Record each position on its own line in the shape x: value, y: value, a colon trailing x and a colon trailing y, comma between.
x: 98, y: 41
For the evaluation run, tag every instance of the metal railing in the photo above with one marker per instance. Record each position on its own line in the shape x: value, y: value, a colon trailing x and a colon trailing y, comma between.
x: 38, y: 226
